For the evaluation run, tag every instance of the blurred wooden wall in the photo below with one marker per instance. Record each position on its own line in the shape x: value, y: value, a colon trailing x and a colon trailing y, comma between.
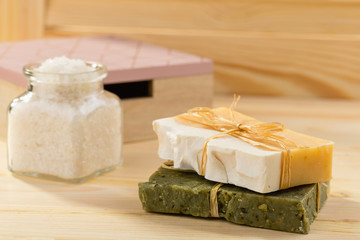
x: 302, y: 48
x: 21, y: 19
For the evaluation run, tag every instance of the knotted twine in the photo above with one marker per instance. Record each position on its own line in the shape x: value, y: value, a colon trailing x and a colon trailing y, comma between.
x: 259, y: 134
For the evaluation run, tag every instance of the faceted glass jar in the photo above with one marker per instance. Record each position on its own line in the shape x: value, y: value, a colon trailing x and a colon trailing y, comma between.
x: 65, y: 126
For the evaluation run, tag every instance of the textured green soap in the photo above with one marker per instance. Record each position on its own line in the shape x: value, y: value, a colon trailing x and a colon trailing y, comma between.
x: 291, y: 210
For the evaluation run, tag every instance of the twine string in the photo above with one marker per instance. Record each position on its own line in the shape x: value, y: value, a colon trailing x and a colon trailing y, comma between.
x: 318, y: 192
x: 259, y: 134
x: 214, y: 206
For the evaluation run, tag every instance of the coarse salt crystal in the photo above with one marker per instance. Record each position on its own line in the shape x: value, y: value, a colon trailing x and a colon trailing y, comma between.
x: 63, y: 65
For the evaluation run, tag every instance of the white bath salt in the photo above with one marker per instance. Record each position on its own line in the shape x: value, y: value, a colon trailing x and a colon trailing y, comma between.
x: 63, y: 65
x: 69, y: 131
x: 65, y: 70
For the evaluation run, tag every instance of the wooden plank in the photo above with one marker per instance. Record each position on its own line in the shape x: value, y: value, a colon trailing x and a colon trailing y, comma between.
x: 286, y: 67
x: 21, y: 19
x: 294, y: 16
x: 107, y: 207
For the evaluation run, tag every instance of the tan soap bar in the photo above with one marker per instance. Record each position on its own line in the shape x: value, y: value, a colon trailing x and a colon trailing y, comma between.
x: 235, y: 161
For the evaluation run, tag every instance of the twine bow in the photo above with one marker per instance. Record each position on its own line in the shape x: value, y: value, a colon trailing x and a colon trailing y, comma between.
x: 258, y: 134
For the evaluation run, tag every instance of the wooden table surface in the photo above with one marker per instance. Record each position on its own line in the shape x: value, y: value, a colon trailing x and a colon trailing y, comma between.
x: 108, y: 207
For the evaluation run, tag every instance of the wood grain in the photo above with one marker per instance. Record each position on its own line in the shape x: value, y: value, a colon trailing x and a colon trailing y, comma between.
x: 280, y: 48
x: 21, y: 19
x: 107, y: 207
x: 294, y: 16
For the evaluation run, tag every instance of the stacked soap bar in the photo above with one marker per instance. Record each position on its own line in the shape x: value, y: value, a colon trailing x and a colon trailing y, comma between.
x: 231, y: 160
x: 291, y: 210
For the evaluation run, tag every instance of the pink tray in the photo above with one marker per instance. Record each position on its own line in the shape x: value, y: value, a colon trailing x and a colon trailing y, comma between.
x: 126, y: 60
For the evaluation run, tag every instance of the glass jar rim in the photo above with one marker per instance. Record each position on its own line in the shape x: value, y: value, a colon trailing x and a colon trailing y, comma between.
x: 98, y: 73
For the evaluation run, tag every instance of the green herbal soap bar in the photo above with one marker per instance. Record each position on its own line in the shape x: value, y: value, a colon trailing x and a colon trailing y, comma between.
x: 291, y: 210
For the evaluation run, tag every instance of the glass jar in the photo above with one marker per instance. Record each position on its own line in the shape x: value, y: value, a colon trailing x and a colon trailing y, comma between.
x: 65, y: 126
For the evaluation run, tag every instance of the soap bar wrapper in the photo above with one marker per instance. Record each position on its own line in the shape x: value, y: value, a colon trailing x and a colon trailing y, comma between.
x: 177, y: 192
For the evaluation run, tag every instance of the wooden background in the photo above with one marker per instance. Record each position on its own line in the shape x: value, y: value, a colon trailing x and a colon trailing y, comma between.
x: 304, y: 49
x: 300, y: 48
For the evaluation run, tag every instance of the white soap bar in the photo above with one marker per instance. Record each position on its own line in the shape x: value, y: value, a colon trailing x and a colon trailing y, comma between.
x: 229, y: 160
